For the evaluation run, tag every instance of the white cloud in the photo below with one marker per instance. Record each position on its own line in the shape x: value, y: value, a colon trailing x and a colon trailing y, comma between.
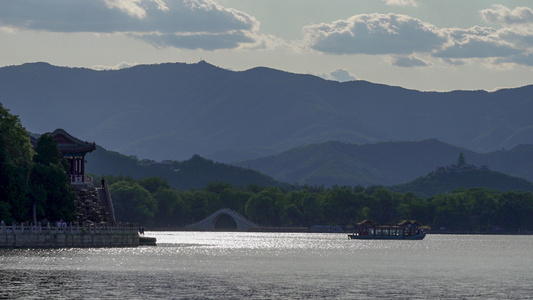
x: 476, y: 42
x: 205, y: 41
x: 462, y: 35
x: 453, y: 61
x: 409, y: 61
x: 161, y: 5
x: 375, y: 34
x: 271, y: 42
x: 503, y: 15
x: 403, y: 36
x: 161, y: 22
x: 522, y: 37
x: 131, y: 7
x: 401, y: 2
x: 122, y: 65
x: 523, y: 59
x: 340, y: 75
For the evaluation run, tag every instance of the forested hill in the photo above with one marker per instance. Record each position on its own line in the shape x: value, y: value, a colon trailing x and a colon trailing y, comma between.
x: 387, y: 163
x: 194, y: 173
x: 175, y: 110
x: 443, y: 183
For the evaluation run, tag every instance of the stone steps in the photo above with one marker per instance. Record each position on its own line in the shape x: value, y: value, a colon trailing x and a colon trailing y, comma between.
x: 90, y: 208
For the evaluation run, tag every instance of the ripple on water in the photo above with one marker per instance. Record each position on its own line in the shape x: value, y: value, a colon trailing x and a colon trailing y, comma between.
x: 264, y: 266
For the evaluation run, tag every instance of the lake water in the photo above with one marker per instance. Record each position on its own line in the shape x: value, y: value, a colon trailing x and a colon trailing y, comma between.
x: 218, y: 265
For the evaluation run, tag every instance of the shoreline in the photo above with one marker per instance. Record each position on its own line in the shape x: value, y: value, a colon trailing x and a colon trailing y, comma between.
x: 308, y: 230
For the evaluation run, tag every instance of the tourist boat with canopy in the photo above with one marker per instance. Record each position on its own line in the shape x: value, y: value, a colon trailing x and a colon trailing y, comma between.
x: 405, y: 230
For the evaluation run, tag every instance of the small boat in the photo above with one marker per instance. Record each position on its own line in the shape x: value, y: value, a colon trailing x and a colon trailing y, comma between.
x: 405, y: 230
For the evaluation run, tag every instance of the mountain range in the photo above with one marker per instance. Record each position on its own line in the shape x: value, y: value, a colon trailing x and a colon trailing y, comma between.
x: 384, y: 163
x: 193, y: 173
x: 333, y: 163
x: 175, y: 110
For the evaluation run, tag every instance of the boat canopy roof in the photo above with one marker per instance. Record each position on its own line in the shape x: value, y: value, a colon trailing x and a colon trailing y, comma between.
x: 409, y: 222
x: 366, y: 222
x: 400, y: 224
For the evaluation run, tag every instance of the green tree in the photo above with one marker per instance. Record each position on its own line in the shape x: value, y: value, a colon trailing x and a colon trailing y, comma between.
x: 172, y: 210
x: 311, y: 209
x: 260, y: 209
x: 152, y: 184
x: 384, y: 206
x: 16, y: 154
x: 133, y: 203
x: 51, y: 193
x: 5, y: 195
x: 223, y: 195
x: 484, y: 209
x: 198, y: 201
x: 15, y: 139
x: 291, y: 216
x: 516, y: 209
x: 453, y: 211
x: 422, y: 210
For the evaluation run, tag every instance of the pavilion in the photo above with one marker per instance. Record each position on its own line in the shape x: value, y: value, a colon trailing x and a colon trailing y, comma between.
x: 74, y: 150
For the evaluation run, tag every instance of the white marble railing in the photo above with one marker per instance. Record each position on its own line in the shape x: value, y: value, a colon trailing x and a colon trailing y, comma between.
x: 70, y: 229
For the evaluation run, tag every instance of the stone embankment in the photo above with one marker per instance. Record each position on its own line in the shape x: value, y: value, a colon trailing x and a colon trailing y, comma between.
x: 90, y: 208
x: 94, y: 235
x: 94, y: 204
x: 95, y: 209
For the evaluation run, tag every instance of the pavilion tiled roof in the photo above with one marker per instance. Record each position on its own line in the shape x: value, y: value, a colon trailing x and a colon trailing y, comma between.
x: 67, y: 143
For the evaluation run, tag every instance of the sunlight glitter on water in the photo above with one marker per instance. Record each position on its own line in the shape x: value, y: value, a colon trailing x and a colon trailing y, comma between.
x: 236, y: 265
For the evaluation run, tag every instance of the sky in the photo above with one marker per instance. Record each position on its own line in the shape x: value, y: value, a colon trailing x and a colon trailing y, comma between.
x: 429, y: 45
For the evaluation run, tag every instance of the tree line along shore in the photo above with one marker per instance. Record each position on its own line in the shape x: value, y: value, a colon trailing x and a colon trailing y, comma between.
x: 476, y: 210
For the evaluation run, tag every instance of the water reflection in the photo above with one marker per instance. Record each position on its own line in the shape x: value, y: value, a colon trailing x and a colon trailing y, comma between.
x: 201, y: 265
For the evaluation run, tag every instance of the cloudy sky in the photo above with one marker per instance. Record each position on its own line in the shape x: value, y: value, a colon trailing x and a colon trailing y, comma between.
x: 418, y: 44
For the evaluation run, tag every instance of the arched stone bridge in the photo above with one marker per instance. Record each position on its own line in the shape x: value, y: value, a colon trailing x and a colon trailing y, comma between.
x: 209, y: 223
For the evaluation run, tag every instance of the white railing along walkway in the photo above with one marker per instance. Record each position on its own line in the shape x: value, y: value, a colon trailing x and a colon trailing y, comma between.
x: 69, y: 229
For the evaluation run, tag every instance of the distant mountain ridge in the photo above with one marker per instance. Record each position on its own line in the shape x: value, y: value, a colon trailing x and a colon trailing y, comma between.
x: 385, y: 163
x: 193, y: 173
x: 334, y: 163
x: 175, y: 110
